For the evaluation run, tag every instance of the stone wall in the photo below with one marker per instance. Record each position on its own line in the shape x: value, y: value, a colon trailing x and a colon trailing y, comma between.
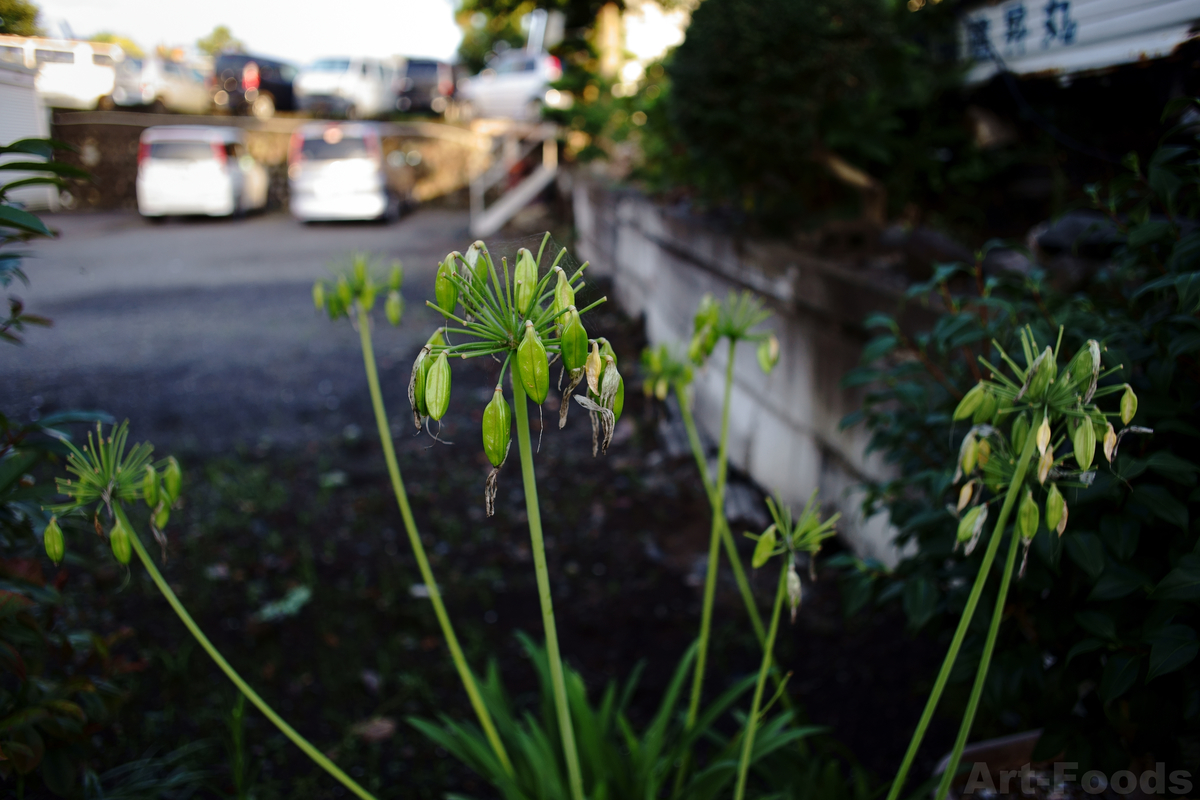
x: 784, y: 428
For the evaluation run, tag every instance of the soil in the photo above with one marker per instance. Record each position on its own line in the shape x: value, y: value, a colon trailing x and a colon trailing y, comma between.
x: 626, y: 537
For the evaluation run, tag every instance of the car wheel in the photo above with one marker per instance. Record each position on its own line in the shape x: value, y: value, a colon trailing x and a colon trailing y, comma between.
x: 351, y: 112
x: 158, y: 106
x: 263, y: 106
x: 106, y: 103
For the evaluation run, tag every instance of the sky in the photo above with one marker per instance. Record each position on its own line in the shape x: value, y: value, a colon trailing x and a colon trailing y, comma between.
x: 298, y: 31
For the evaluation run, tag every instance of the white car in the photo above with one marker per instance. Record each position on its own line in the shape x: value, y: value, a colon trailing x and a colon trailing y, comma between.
x: 197, y: 169
x: 337, y: 172
x: 354, y: 88
x: 513, y: 87
x: 70, y: 74
x: 174, y: 86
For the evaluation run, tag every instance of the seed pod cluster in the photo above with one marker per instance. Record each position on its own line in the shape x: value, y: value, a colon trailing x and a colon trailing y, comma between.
x: 356, y: 284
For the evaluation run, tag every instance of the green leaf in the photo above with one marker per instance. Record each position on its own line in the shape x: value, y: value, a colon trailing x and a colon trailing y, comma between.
x: 1086, y: 550
x: 1097, y: 623
x: 1120, y: 673
x: 877, y: 348
x: 56, y: 167
x: 22, y: 220
x: 1172, y: 466
x: 920, y: 600
x: 1173, y: 647
x: 1149, y: 232
x: 1118, y: 581
x: 1181, y: 583
x: 1162, y: 503
x: 1083, y: 647
x: 1184, y: 343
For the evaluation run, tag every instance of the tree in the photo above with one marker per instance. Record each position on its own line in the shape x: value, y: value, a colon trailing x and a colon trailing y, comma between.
x: 19, y: 18
x: 130, y: 47
x: 219, y: 41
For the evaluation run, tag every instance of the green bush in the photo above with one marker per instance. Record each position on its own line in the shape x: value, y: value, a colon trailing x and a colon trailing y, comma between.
x: 1099, y: 641
x: 762, y: 91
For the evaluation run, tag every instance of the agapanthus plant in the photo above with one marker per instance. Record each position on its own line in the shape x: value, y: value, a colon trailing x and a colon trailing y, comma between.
x: 526, y: 319
x: 106, y: 476
x: 1032, y: 433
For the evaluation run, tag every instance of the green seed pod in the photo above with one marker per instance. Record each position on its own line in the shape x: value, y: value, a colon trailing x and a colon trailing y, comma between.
x: 533, y: 368
x: 497, y: 426
x: 1085, y: 369
x: 660, y: 388
x: 1084, y: 440
x: 564, y: 295
x: 420, y: 372
x: 445, y: 290
x: 1128, y: 404
x: 969, y: 453
x: 1045, y: 370
x: 161, y: 517
x: 618, y: 399
x: 1056, y: 510
x: 764, y: 548
x: 396, y: 277
x: 394, y: 307
x: 525, y: 279
x: 702, y: 344
x: 437, y: 387
x: 1027, y: 516
x: 971, y: 524
x: 707, y: 314
x: 970, y: 402
x: 574, y: 341
x: 118, y: 539
x: 319, y: 295
x: 172, y: 480
x: 150, y: 486
x: 345, y: 294
x: 360, y: 269
x: 983, y: 453
x: 768, y: 353
x: 53, y: 539
x: 1020, y: 429
x: 606, y: 350
x: 367, y: 295
x: 986, y: 408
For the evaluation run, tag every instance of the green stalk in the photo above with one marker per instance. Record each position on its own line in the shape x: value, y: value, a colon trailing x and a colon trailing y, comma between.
x: 969, y: 611
x: 981, y: 676
x: 717, y: 499
x: 735, y: 560
x: 739, y: 573
x: 752, y: 721
x: 310, y: 751
x: 414, y: 538
x: 521, y: 412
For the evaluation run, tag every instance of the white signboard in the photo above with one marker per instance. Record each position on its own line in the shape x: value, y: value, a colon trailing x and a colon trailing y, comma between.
x: 1063, y: 37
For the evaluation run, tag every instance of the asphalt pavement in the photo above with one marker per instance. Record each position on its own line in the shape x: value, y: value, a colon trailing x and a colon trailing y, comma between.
x: 202, y: 332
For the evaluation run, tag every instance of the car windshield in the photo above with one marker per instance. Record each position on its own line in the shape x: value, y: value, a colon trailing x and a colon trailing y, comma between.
x: 330, y: 65
x: 516, y: 65
x: 181, y: 151
x: 422, y: 69
x: 322, y: 150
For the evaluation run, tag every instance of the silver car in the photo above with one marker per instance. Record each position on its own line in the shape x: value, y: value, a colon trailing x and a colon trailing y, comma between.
x: 336, y: 171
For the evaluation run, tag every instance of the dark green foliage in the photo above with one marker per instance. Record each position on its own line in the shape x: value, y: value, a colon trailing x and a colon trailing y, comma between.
x: 762, y: 91
x: 1099, y: 642
x: 19, y: 18
x: 620, y: 762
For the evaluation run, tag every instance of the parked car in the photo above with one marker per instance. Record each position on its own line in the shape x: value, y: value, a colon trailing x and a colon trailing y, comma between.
x: 197, y: 169
x: 513, y: 87
x: 164, y: 85
x: 354, y: 88
x: 70, y: 74
x: 337, y: 171
x: 255, y: 85
x: 424, y: 85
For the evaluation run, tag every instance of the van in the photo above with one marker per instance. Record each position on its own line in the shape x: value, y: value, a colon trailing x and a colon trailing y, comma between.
x: 197, y: 169
x: 354, y: 88
x: 248, y: 84
x: 70, y: 74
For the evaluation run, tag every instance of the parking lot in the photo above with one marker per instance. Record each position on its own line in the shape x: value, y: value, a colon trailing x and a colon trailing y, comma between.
x: 203, y: 333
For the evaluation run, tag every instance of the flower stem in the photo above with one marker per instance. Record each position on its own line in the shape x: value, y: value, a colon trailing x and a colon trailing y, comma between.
x: 414, y: 538
x: 310, y: 751
x: 985, y: 661
x: 735, y: 560
x: 567, y: 732
x: 717, y: 499
x: 752, y: 720
x: 969, y: 611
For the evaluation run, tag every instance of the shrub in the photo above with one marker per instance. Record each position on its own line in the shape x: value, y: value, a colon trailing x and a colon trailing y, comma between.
x: 1099, y: 643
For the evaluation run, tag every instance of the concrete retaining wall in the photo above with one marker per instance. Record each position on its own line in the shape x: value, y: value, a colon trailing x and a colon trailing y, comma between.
x: 784, y: 427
